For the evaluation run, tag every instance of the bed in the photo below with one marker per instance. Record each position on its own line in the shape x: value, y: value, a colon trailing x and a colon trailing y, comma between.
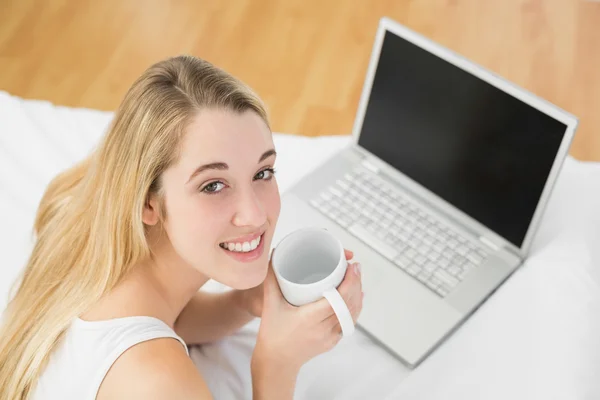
x: 537, y: 337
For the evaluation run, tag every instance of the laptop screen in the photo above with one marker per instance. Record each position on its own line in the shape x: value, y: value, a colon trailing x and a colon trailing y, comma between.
x: 477, y: 147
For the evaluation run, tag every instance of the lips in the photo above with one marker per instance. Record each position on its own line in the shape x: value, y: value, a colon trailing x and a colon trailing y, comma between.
x: 242, y: 239
x: 247, y: 256
x: 240, y: 246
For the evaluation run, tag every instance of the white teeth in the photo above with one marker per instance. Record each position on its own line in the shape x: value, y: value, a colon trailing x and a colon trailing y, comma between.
x: 242, y: 247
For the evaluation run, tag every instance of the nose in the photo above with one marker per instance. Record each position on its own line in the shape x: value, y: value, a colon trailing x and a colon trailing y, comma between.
x: 250, y: 210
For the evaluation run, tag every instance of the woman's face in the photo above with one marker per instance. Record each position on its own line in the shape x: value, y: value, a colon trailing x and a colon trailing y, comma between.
x: 222, y: 200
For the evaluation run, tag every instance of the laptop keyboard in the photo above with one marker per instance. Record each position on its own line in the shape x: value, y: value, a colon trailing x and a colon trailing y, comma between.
x: 422, y: 246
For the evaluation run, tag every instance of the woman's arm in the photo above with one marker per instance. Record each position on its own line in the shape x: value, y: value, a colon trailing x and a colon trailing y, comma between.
x: 211, y: 316
x: 272, y: 377
x: 155, y: 369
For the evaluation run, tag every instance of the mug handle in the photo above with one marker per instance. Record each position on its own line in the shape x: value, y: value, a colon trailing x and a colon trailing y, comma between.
x: 341, y: 311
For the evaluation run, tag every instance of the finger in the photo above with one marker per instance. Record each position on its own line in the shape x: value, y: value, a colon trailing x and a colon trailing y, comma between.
x: 356, y: 307
x: 349, y: 289
x: 351, y: 286
x: 332, y: 323
x: 319, y: 310
x: 354, y: 304
x: 349, y: 254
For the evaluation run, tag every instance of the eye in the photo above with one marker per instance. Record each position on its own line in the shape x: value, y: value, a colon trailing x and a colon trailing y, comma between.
x: 266, y: 174
x: 217, y: 186
x: 212, y: 187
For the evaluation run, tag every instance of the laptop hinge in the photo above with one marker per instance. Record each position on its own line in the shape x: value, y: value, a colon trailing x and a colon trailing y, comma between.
x: 489, y: 243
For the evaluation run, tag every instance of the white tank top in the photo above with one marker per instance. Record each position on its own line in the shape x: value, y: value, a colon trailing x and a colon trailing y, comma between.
x: 88, y: 349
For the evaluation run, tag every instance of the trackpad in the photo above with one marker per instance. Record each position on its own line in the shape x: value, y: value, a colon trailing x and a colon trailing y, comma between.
x: 406, y: 317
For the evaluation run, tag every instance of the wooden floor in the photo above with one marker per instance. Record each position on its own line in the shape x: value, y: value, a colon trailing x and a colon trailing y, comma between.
x: 306, y: 58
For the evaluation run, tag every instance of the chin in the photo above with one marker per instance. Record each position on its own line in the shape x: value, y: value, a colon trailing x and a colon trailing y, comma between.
x: 241, y: 279
x: 250, y: 280
x: 242, y: 275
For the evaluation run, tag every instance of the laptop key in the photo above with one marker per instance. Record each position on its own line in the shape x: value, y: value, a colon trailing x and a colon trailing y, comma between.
x: 433, y: 256
x: 454, y: 270
x: 462, y: 250
x: 344, y: 185
x: 420, y: 259
x: 448, y: 253
x: 431, y: 285
x: 335, y: 191
x: 390, y: 239
x: 399, y: 245
x: 467, y: 266
x: 335, y: 203
x: 413, y: 270
x: 316, y: 202
x: 344, y: 221
x: 423, y: 276
x: 402, y: 262
x: 328, y: 210
x: 446, y: 277
x: 411, y: 253
x: 474, y: 258
x: 355, y: 215
x: 444, y: 262
x: 387, y: 251
x: 403, y: 236
x: 430, y: 267
x: 434, y: 280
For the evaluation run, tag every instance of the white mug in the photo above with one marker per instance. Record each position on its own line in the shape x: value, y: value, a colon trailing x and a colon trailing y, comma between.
x: 310, y: 264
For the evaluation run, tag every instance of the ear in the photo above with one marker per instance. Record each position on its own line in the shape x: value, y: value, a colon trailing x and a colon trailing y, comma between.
x: 150, y: 213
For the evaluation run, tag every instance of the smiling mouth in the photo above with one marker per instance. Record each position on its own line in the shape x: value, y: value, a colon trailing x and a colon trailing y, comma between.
x: 245, y: 247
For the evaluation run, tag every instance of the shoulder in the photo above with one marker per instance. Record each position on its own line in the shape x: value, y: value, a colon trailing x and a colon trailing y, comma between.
x: 157, y: 369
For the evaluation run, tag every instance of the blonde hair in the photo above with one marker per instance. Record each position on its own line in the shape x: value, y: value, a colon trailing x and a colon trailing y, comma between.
x: 88, y: 227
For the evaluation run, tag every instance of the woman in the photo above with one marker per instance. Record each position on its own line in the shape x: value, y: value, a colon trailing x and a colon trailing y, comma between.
x: 180, y: 190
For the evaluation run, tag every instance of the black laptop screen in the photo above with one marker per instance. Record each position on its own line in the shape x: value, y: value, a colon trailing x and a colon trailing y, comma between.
x: 477, y: 147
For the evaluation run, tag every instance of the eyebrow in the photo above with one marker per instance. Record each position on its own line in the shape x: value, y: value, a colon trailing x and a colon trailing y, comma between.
x: 224, y: 166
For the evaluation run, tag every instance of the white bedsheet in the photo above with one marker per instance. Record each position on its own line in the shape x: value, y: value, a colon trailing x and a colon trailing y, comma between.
x: 538, y: 337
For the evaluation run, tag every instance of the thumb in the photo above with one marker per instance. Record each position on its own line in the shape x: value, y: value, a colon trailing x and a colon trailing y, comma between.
x: 351, y: 284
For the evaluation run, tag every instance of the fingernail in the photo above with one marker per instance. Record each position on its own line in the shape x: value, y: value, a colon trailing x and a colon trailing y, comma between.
x: 357, y: 269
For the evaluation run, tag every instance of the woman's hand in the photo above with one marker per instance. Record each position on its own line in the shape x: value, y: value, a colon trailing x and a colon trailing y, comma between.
x: 289, y: 336
x: 251, y: 299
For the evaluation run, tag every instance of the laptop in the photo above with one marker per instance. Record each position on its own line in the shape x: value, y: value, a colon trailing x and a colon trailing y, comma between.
x: 440, y: 192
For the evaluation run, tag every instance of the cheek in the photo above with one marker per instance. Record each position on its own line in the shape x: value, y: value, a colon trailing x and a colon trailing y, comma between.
x: 273, y: 203
x: 194, y: 226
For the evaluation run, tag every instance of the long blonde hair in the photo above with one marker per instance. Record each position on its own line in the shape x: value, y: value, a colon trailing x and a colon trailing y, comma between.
x: 88, y: 227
